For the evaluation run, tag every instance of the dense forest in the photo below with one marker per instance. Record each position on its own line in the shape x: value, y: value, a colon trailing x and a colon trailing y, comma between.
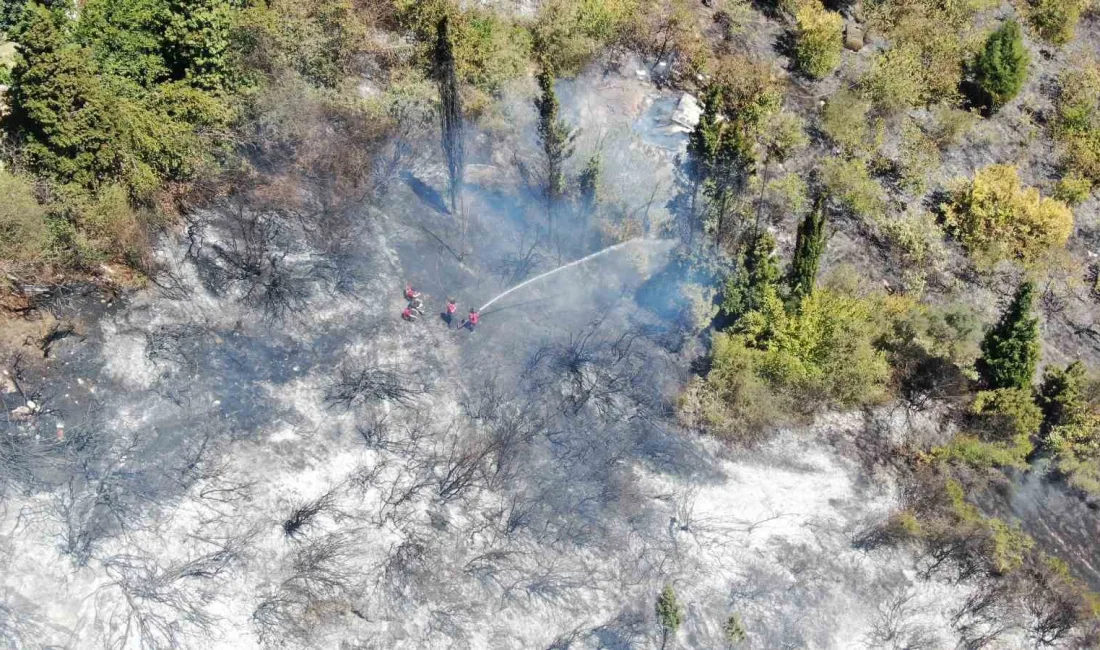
x: 869, y: 257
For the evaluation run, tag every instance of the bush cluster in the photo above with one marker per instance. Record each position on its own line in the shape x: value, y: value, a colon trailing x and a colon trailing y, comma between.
x: 818, y: 39
x: 1077, y: 124
x: 995, y: 217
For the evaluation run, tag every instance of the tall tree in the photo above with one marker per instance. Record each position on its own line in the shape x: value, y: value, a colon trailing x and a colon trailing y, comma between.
x: 450, y: 111
x: 1010, y: 350
x: 808, y: 247
x: 556, y: 138
x: 1001, y: 66
x: 669, y: 614
x: 757, y: 276
x: 702, y: 147
x: 734, y: 164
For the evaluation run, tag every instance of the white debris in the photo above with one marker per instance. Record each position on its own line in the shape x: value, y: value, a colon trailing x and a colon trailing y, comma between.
x: 687, y: 113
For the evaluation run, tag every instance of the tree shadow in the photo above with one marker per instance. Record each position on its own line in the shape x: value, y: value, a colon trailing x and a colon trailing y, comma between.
x: 426, y: 193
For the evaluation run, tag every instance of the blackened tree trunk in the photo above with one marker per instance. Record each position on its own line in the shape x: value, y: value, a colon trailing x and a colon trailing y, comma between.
x: 450, y: 111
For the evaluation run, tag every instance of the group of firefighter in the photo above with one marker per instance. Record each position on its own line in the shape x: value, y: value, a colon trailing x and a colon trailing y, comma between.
x: 415, y: 309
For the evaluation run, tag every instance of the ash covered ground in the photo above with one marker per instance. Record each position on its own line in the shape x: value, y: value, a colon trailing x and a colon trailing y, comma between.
x: 261, y: 453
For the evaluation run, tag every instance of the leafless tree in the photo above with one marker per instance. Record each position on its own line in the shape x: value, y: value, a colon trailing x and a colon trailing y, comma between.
x: 154, y: 606
x: 895, y: 627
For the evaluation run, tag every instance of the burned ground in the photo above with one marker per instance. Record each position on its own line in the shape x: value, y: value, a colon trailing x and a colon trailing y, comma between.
x: 258, y: 451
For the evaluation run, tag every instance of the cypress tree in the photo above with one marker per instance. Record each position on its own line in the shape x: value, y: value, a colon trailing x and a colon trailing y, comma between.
x: 746, y: 290
x: 450, y: 113
x: 1001, y: 67
x: 556, y: 139
x: 807, y: 252
x: 669, y: 614
x: 1010, y: 350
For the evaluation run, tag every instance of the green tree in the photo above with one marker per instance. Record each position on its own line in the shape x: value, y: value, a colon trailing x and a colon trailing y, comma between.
x: 10, y: 13
x: 669, y: 614
x: 450, y: 112
x: 1062, y: 394
x: 755, y: 279
x: 1010, y: 350
x: 1001, y: 66
x: 197, y: 42
x: 126, y: 38
x: 702, y: 147
x: 589, y: 185
x: 734, y: 164
x: 808, y: 247
x: 556, y: 139
x: 66, y: 122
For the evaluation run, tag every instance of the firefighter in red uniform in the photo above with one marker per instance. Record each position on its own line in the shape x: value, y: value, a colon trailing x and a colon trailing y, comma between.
x: 410, y: 293
x: 472, y: 321
x: 410, y: 313
x: 449, y: 315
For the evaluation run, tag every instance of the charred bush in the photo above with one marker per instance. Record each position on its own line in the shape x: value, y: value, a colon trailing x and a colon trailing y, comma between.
x: 304, y: 515
x: 372, y: 384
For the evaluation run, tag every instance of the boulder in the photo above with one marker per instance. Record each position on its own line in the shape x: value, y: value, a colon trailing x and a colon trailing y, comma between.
x: 853, y: 37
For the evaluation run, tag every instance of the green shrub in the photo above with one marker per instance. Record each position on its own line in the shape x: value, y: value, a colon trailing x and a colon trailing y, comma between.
x: 849, y: 182
x: 488, y: 49
x: 895, y: 81
x: 993, y: 216
x: 824, y: 350
x: 1055, y: 20
x: 569, y: 33
x: 925, y: 62
x: 24, y: 236
x: 918, y: 241
x: 1073, y: 189
x: 1072, y: 425
x: 818, y: 39
x: 846, y: 120
x: 951, y: 124
x: 1077, y: 125
x: 919, y: 157
x: 1004, y: 421
x: 1001, y: 66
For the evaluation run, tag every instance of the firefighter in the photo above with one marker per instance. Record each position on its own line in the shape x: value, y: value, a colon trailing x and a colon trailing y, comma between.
x: 410, y: 313
x: 411, y: 294
x: 449, y: 314
x: 473, y: 319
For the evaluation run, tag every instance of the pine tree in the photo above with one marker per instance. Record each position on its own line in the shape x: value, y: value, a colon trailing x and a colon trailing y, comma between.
x: 1010, y: 350
x: 1001, y: 67
x: 556, y: 139
x: 807, y: 253
x: 757, y: 276
x: 669, y: 614
x: 197, y: 42
x: 450, y: 112
x: 68, y: 125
